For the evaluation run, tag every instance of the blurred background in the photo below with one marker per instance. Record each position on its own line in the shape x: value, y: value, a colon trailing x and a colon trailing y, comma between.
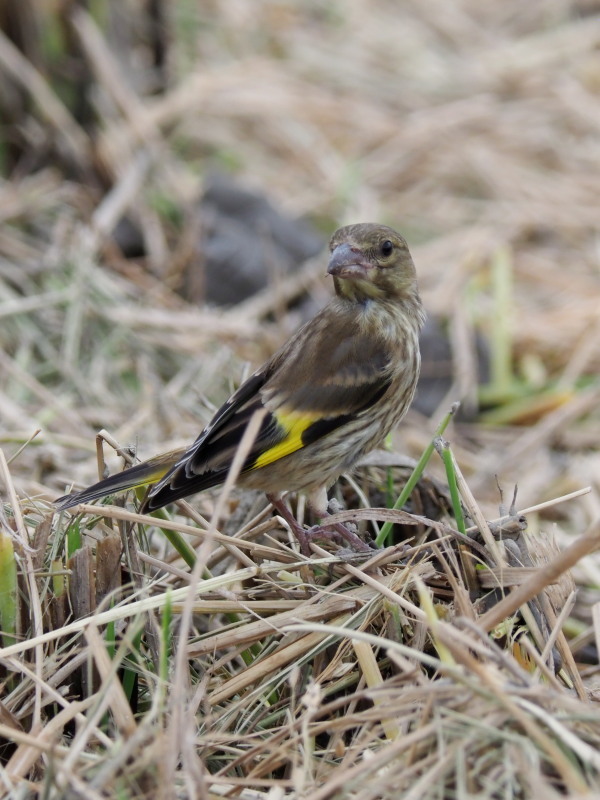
x: 171, y: 172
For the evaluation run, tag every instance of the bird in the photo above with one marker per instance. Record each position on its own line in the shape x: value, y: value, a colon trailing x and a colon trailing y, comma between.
x: 328, y: 396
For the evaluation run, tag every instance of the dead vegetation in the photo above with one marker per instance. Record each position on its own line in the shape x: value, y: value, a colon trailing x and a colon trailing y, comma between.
x: 473, y: 128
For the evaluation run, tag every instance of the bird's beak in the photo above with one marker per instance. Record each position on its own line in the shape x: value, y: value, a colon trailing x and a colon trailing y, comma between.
x: 348, y: 262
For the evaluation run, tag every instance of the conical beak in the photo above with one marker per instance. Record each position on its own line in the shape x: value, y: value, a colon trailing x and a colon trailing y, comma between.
x: 348, y: 262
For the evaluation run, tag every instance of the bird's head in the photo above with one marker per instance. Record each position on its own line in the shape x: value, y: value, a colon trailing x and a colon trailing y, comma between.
x: 370, y: 261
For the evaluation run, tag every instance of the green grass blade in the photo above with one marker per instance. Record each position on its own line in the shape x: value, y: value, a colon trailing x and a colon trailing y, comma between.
x: 8, y: 590
x: 443, y: 448
x: 386, y: 529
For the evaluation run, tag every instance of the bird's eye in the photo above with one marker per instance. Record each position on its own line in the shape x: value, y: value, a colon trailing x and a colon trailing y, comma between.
x: 386, y: 248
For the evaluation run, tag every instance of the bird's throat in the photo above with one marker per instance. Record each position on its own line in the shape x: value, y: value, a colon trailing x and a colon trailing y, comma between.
x: 356, y: 290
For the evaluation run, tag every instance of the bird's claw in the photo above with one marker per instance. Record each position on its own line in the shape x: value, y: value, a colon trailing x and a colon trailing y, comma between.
x: 337, y: 532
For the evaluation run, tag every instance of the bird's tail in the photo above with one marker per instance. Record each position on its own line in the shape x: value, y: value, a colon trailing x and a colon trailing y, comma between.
x: 144, y: 474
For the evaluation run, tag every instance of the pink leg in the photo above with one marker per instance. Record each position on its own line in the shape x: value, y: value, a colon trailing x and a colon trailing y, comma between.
x: 297, y: 529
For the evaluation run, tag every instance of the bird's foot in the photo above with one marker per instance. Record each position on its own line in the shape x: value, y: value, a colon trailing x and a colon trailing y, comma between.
x: 334, y: 531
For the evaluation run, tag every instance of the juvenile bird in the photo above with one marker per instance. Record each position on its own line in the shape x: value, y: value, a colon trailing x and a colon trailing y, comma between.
x: 328, y: 396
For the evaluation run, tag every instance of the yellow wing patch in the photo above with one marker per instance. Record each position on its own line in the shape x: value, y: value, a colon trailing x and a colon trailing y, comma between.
x: 150, y: 478
x: 293, y: 424
x: 158, y: 466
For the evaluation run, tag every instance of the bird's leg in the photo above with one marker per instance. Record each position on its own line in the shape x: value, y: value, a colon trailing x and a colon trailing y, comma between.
x: 297, y: 529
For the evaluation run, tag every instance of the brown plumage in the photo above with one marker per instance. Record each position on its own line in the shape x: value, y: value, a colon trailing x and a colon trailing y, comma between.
x: 328, y: 396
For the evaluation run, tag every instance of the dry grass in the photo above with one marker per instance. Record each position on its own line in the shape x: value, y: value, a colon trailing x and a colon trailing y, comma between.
x: 473, y: 128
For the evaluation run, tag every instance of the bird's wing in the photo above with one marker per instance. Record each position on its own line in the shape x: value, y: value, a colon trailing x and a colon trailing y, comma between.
x: 309, y: 388
x: 324, y: 381
x: 207, y: 462
x: 339, y: 369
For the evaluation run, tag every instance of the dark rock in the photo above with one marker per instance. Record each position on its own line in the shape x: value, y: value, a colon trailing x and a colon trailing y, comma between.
x: 245, y: 242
